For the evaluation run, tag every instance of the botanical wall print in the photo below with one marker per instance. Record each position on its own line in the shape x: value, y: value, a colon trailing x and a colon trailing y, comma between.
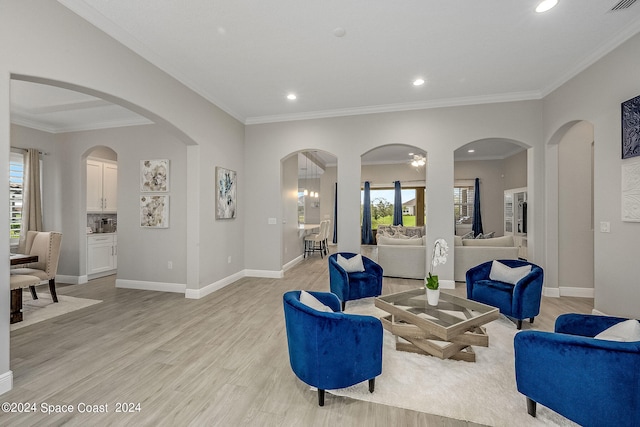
x: 225, y: 193
x: 154, y: 211
x: 631, y: 191
x: 154, y: 175
x: 631, y: 128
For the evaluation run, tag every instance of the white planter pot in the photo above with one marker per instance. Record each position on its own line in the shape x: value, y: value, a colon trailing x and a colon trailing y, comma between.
x: 433, y: 295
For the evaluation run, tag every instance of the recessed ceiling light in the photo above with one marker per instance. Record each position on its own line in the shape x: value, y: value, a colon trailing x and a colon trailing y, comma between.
x: 292, y: 96
x: 339, y: 32
x: 546, y: 5
x: 418, y: 82
x: 471, y: 151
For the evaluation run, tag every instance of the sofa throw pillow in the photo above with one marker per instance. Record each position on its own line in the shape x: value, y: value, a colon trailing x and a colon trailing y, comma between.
x: 504, y: 273
x: 488, y: 235
x: 351, y: 265
x: 469, y: 235
x: 310, y: 301
x: 626, y: 331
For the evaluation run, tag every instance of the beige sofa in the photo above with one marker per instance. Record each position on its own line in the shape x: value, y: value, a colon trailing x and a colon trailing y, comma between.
x: 402, y: 257
x: 471, y: 252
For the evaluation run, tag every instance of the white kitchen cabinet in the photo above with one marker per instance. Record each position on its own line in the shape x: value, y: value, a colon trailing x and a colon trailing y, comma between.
x: 102, y: 186
x: 102, y: 253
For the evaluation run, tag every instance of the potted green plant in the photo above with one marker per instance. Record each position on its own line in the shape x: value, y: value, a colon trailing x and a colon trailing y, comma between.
x: 439, y: 256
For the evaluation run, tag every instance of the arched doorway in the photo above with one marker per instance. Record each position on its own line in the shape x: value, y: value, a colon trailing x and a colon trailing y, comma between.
x: 308, y: 182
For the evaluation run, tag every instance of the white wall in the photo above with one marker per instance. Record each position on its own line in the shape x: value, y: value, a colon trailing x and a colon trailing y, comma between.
x: 575, y: 220
x: 595, y: 95
x: 50, y: 44
x: 292, y: 237
x: 436, y: 132
x: 515, y: 171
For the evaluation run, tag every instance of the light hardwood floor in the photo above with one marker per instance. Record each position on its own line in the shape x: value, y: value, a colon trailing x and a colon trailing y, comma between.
x: 218, y: 361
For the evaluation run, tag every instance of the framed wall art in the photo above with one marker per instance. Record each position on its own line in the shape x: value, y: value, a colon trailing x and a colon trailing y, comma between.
x: 226, y: 193
x: 631, y: 128
x: 631, y: 190
x: 154, y: 211
x: 154, y: 175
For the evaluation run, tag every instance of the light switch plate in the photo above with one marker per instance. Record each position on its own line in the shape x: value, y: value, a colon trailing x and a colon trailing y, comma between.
x: 272, y: 221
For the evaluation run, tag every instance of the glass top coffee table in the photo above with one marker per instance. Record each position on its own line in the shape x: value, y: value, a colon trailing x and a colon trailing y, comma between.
x: 447, y: 330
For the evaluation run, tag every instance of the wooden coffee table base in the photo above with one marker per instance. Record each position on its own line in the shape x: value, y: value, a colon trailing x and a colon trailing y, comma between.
x: 412, y: 339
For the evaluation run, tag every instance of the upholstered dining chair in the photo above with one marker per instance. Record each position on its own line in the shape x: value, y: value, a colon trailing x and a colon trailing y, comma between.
x: 516, y: 295
x: 316, y: 241
x: 354, y: 283
x: 46, y: 245
x: 591, y: 379
x: 330, y: 349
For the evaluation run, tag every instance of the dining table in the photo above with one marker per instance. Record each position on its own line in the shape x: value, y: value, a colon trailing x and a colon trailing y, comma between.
x: 16, y: 294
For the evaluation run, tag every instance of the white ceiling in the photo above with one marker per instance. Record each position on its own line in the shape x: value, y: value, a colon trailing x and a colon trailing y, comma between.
x: 246, y: 56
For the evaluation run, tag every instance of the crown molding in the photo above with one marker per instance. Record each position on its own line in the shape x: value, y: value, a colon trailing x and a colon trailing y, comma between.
x: 26, y: 122
x: 391, y: 108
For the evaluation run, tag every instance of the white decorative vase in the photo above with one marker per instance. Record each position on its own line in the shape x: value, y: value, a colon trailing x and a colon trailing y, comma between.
x: 433, y: 295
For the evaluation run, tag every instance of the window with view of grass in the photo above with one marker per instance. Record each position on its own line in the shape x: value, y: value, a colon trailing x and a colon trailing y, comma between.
x: 382, y: 200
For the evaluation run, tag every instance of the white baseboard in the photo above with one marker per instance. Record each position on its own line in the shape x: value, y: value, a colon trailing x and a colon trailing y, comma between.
x: 447, y: 284
x: 151, y: 286
x: 203, y: 292
x: 567, y: 291
x: 267, y: 274
x: 6, y: 382
x: 292, y: 263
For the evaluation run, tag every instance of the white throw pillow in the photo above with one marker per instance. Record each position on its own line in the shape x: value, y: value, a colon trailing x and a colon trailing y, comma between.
x: 504, y: 273
x: 310, y: 301
x: 626, y: 331
x: 351, y: 265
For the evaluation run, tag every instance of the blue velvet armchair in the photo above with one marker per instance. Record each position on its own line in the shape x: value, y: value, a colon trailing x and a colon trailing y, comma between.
x: 331, y: 350
x: 590, y: 381
x: 352, y: 286
x: 519, y: 301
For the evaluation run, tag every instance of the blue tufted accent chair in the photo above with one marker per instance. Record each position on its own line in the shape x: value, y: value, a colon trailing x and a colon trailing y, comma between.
x: 590, y: 381
x: 331, y: 350
x: 520, y: 301
x: 351, y: 286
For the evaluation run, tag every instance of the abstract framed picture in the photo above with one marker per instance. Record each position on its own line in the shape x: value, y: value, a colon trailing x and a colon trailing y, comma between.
x: 226, y: 193
x: 631, y: 128
x: 154, y: 211
x: 154, y: 175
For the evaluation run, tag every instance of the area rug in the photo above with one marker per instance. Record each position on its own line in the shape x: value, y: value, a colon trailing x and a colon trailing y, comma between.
x: 482, y: 392
x: 34, y: 311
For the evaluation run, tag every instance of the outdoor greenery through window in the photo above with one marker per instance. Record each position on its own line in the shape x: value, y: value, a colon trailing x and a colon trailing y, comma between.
x: 16, y: 167
x: 382, y: 206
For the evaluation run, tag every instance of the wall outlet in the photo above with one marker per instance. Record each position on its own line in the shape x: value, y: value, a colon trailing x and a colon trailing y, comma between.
x: 170, y: 265
x: 229, y: 259
x: 605, y: 227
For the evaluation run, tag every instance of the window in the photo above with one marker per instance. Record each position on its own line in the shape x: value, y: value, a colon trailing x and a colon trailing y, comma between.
x: 382, y: 206
x: 16, y: 168
x: 463, y: 193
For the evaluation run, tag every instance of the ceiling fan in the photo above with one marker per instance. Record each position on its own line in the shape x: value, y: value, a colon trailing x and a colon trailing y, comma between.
x: 417, y: 160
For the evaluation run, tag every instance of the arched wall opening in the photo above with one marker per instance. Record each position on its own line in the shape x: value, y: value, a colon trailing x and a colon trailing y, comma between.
x: 308, y: 180
x: 570, y: 210
x: 501, y: 165
x: 381, y: 167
